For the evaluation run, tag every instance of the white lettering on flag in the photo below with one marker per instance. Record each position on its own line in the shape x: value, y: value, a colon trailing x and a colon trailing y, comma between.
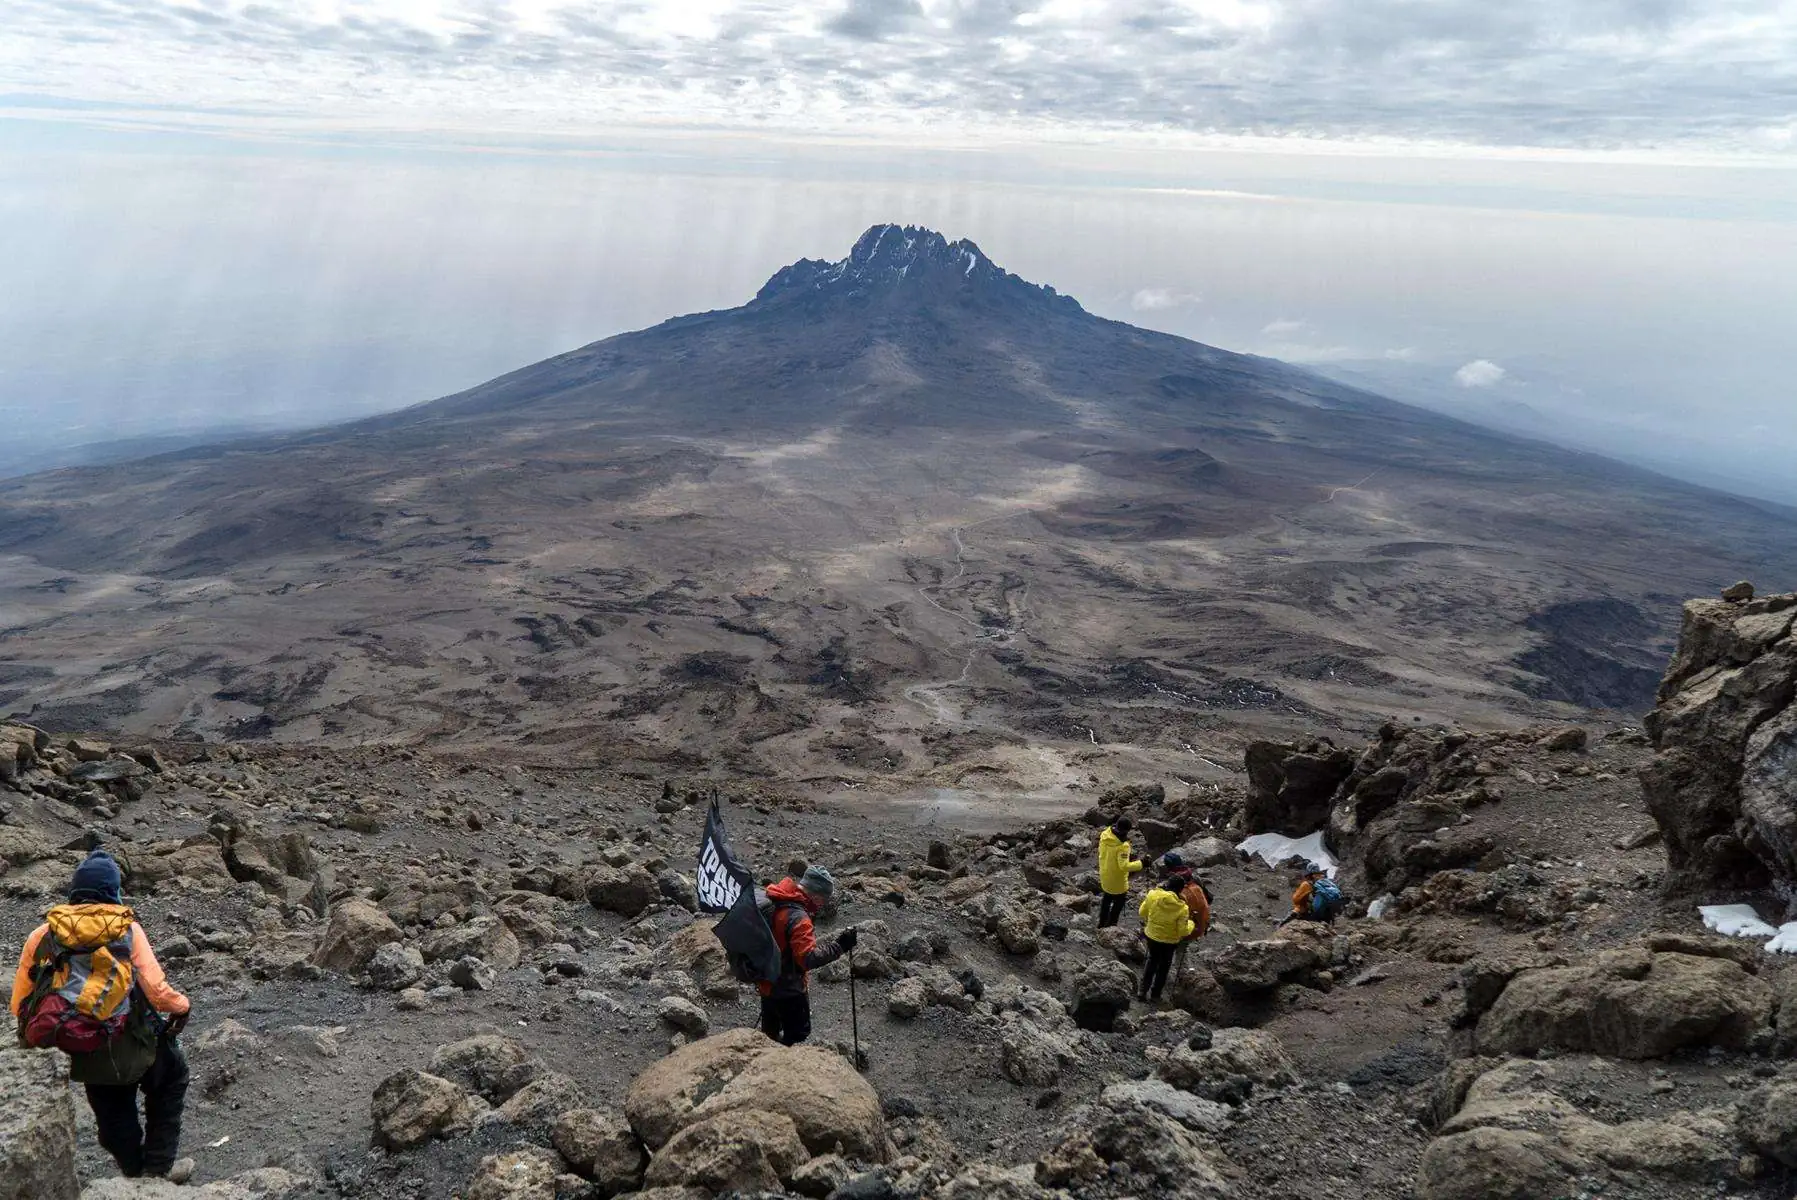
x: 718, y: 888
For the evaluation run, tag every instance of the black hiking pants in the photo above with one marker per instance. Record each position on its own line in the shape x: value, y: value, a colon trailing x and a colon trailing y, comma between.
x: 1154, y: 976
x: 149, y: 1148
x: 1110, y: 908
x: 786, y: 1019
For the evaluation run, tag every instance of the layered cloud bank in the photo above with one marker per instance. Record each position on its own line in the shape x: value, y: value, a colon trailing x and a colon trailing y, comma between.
x: 1634, y: 73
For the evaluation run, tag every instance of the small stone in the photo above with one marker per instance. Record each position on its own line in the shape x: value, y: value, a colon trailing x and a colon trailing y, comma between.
x: 683, y: 1015
x: 472, y: 975
x: 1738, y: 593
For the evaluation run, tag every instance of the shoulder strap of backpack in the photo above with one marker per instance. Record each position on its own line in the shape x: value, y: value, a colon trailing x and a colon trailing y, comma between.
x: 782, y: 923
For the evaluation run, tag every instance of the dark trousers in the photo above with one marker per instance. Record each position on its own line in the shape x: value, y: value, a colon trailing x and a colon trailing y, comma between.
x: 1160, y: 960
x: 786, y: 1019
x: 149, y: 1148
x: 1110, y: 908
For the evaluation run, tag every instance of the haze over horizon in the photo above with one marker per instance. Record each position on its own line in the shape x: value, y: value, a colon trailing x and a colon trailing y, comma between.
x: 1577, y: 225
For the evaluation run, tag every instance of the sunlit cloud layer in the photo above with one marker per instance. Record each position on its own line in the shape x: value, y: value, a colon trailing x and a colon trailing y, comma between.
x: 1720, y: 74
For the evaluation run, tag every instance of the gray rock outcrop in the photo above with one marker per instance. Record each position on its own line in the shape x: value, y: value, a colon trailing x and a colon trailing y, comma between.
x: 1723, y: 783
x: 37, y: 1127
x: 1629, y: 1003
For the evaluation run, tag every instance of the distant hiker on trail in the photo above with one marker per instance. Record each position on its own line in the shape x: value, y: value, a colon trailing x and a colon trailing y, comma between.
x: 1316, y: 898
x: 1167, y: 922
x: 1197, y: 903
x: 786, y: 1002
x: 1114, y: 869
x: 89, y: 984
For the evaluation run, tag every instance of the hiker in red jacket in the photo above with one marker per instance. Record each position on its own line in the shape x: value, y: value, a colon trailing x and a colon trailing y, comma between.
x: 786, y: 1002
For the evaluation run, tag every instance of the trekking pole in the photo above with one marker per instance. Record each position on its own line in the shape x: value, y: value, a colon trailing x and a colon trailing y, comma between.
x: 854, y: 1012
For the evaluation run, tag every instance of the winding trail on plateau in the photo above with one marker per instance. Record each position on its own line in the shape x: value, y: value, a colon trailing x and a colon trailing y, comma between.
x: 929, y: 695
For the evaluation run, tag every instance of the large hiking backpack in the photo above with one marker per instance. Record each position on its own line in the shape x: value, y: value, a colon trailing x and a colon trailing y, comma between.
x: 1325, y: 899
x: 81, y: 980
x: 749, y: 967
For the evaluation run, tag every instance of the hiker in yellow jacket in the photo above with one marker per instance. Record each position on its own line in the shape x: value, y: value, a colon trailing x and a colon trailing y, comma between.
x: 1167, y: 921
x: 1114, y: 869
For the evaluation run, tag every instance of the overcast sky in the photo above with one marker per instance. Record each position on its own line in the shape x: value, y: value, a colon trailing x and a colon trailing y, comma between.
x: 1579, y: 218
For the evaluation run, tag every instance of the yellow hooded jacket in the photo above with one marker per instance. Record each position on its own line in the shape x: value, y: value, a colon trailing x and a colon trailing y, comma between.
x: 1165, y: 916
x: 1114, y: 864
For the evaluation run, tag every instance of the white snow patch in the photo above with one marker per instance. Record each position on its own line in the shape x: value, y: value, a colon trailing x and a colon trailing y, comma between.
x: 1735, y: 920
x: 1378, y: 908
x: 1275, y: 849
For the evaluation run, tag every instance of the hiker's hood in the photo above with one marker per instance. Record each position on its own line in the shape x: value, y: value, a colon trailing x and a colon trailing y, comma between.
x: 89, y: 926
x: 788, y: 891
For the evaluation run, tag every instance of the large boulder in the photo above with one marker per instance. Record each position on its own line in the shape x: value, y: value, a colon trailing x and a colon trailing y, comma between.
x: 744, y: 1150
x: 1291, y: 787
x: 626, y: 890
x: 1246, y: 968
x: 1725, y: 740
x: 37, y: 1125
x: 1153, y: 1148
x: 1628, y: 1004
x: 696, y: 949
x: 395, y: 967
x: 490, y: 1064
x: 600, y: 1147
x: 1236, y: 1062
x: 984, y: 1181
x: 410, y: 1108
x: 1019, y: 930
x: 1496, y: 1164
x: 484, y: 937
x: 535, y: 1107
x: 357, y: 930
x: 1767, y: 1122
x: 526, y: 1174
x: 22, y: 847
x: 661, y: 1100
x: 1516, y: 1135
x: 1029, y: 1055
x: 833, y: 1107
x: 1099, y: 992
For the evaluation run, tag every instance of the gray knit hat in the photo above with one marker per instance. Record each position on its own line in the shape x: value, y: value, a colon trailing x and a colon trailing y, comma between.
x: 818, y: 882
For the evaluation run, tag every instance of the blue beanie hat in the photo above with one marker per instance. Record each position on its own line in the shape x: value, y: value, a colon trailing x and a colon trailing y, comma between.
x: 97, y: 880
x: 818, y: 882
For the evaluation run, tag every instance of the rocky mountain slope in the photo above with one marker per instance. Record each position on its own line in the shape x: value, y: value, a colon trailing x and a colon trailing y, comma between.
x: 427, y: 973
x: 901, y: 523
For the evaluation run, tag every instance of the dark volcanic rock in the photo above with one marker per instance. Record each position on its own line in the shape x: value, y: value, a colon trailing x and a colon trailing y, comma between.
x: 1290, y: 788
x: 1723, y: 782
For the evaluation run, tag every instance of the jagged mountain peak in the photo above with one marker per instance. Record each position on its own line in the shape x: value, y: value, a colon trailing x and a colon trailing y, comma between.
x: 908, y: 260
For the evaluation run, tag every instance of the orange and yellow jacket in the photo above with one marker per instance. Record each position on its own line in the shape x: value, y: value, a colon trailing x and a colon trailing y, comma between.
x: 94, y: 925
x: 1165, y: 917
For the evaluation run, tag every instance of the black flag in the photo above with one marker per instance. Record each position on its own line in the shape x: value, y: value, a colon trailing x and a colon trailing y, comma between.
x: 726, y: 886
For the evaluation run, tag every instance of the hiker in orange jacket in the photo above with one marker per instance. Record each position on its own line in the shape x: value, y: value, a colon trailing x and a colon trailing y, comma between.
x: 786, y: 1002
x: 1197, y: 903
x: 78, y: 950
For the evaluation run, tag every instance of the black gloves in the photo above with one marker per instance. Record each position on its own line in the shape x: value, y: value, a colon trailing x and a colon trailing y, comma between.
x: 847, y: 939
x: 174, y: 1025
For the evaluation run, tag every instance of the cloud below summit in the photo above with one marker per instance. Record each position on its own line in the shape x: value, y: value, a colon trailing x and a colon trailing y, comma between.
x: 1531, y: 72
